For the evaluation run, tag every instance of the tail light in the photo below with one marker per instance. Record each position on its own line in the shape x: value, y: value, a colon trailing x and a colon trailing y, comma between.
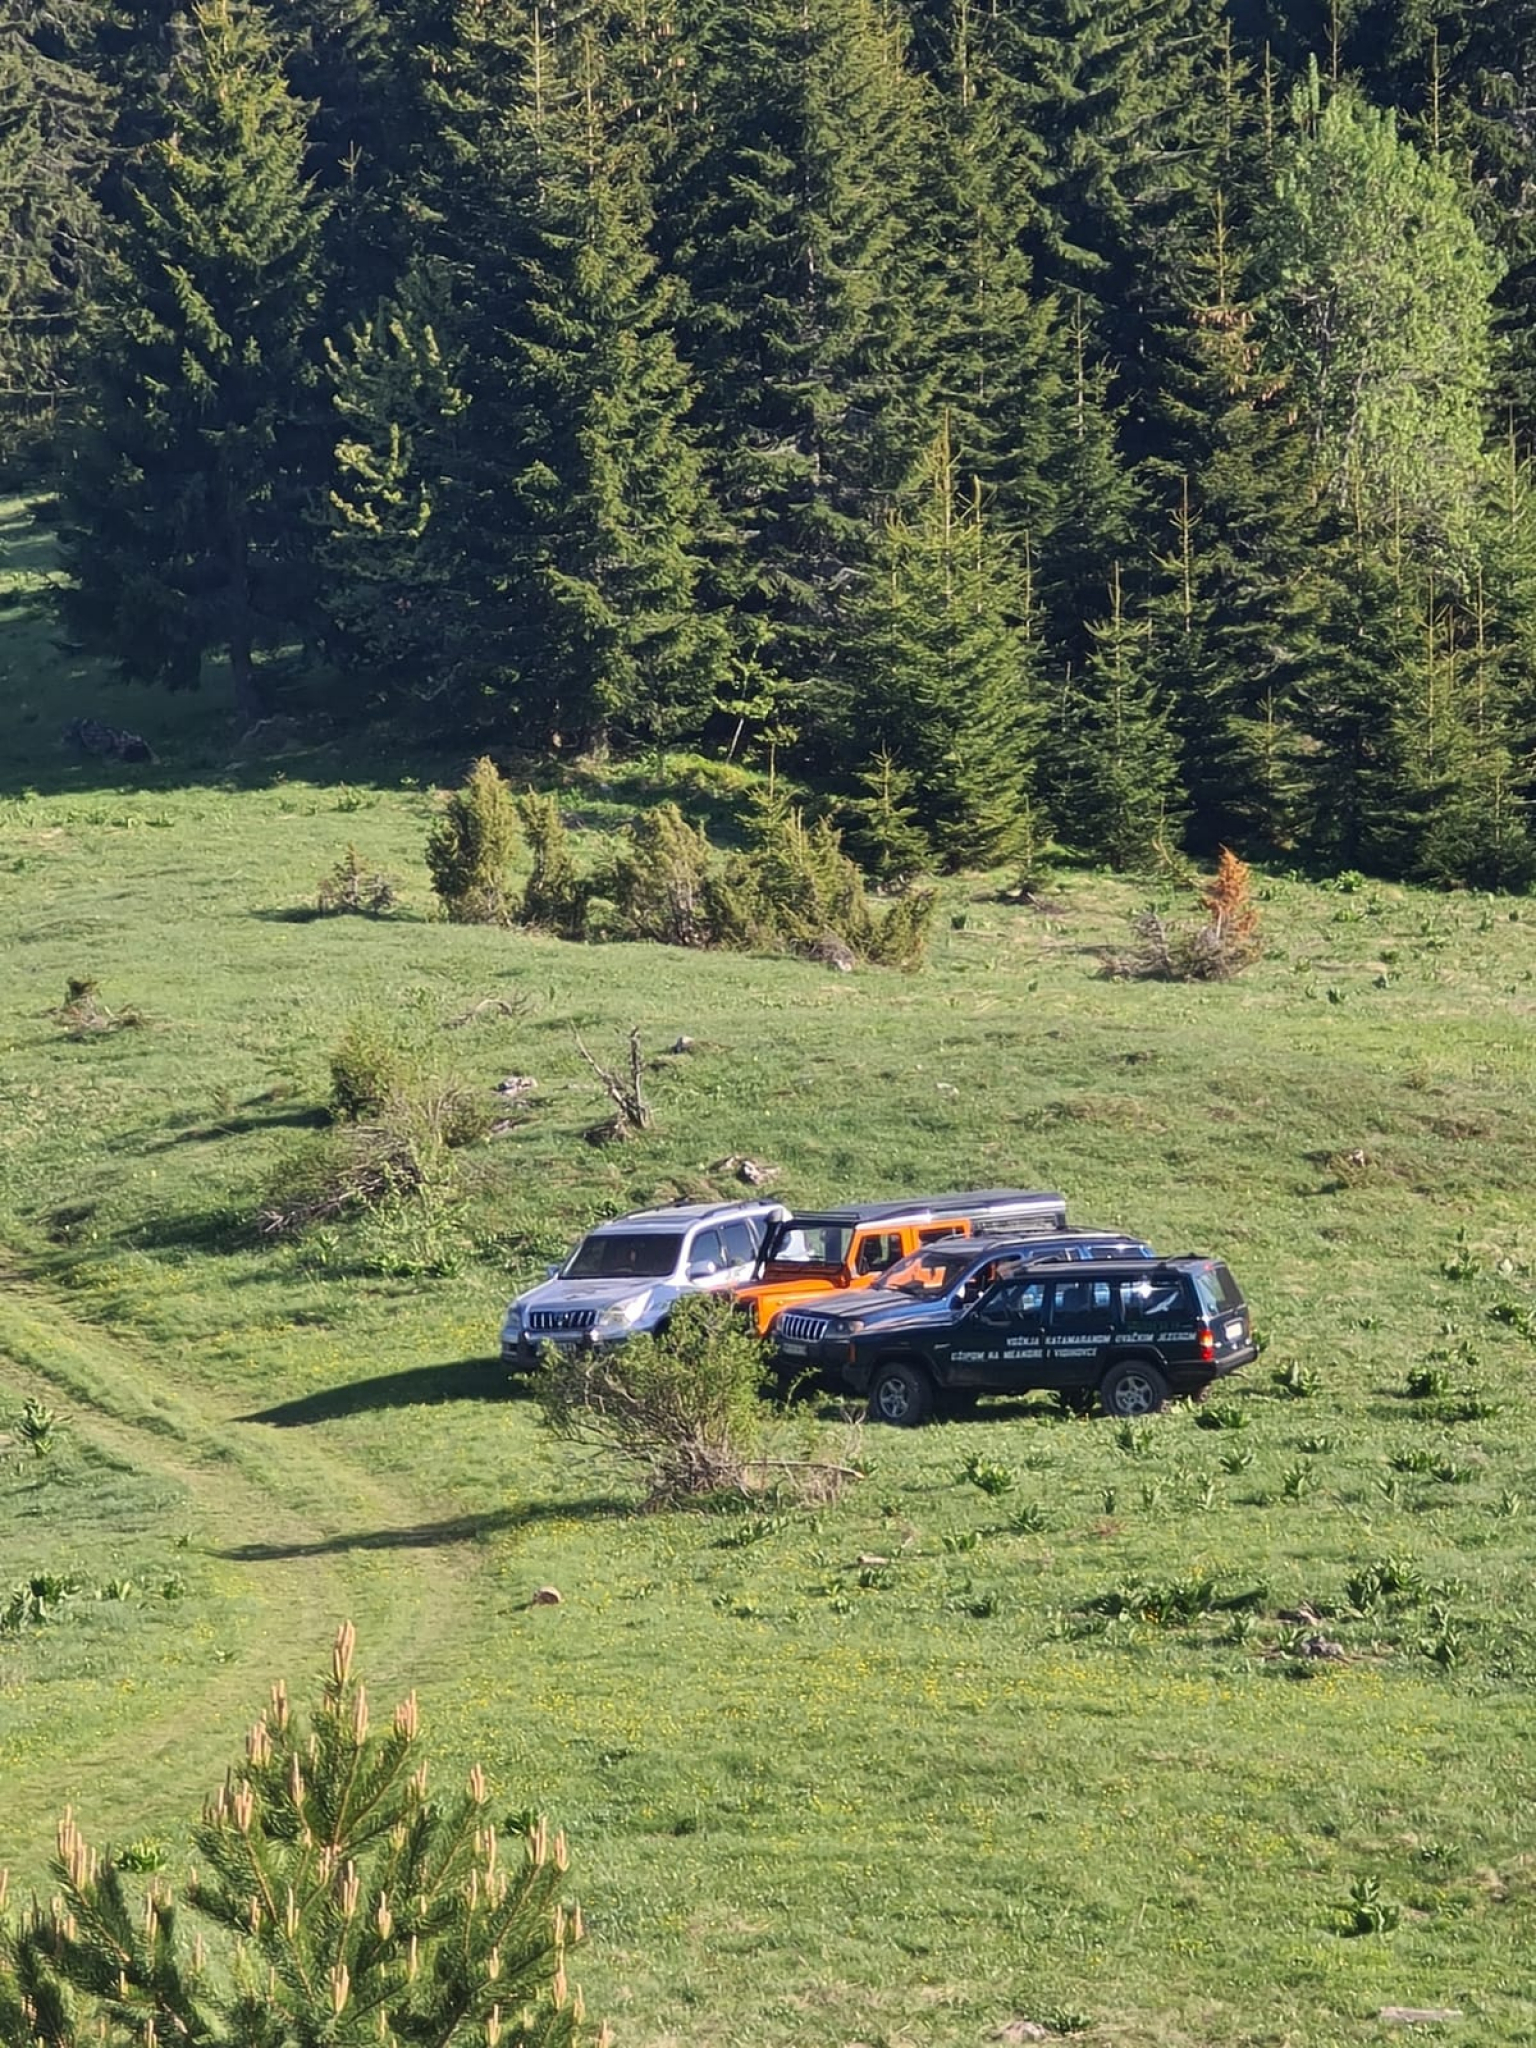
x: 1207, y: 1344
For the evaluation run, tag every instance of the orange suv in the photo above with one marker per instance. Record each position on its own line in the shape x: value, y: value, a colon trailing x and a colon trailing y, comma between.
x: 821, y: 1252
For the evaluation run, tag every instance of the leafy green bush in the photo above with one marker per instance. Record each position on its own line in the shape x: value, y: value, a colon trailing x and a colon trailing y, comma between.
x: 470, y: 846
x: 681, y: 1409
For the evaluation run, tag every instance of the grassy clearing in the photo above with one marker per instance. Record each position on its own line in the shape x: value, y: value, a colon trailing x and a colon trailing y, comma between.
x: 930, y: 1761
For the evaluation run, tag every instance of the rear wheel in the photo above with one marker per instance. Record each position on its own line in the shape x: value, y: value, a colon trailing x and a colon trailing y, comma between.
x: 901, y: 1395
x: 1133, y: 1387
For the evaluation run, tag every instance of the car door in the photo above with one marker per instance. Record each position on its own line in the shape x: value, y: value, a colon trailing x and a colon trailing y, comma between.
x: 707, y: 1261
x: 740, y: 1253
x: 1079, y: 1332
x: 999, y: 1344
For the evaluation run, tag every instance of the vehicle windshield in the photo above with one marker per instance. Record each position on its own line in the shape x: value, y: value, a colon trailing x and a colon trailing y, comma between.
x: 625, y: 1255
x: 1217, y: 1290
x: 925, y: 1275
x: 804, y: 1242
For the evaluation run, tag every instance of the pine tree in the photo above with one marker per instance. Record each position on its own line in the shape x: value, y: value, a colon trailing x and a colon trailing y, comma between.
x: 190, y: 460
x: 574, y: 521
x: 333, y: 1901
x: 788, y: 210
x: 54, y: 123
x: 945, y: 672
x: 1113, y: 760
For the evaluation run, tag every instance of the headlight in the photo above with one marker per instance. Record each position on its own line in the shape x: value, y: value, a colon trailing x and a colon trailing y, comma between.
x: 512, y: 1325
x: 853, y: 1325
x: 623, y: 1314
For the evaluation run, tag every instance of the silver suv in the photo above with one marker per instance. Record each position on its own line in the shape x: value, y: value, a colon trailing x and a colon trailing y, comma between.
x: 625, y: 1275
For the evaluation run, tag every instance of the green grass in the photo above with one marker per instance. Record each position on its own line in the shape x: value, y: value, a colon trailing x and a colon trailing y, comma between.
x: 932, y: 1759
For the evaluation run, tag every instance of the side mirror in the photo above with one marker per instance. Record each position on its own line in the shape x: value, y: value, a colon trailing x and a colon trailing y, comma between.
x: 553, y: 1272
x: 703, y: 1269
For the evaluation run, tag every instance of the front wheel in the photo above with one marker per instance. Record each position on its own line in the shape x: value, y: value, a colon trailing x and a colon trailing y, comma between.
x: 1133, y: 1387
x: 901, y: 1395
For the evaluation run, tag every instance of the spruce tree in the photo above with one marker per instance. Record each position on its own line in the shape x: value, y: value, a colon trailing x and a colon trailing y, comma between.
x: 999, y: 360
x: 1113, y: 768
x: 946, y: 686
x: 573, y: 523
x: 1242, y: 595
x: 387, y: 586
x: 363, y: 137
x: 55, y: 120
x: 189, y: 462
x: 788, y: 210
x: 1094, y: 512
x: 1123, y: 97
x: 1351, y: 712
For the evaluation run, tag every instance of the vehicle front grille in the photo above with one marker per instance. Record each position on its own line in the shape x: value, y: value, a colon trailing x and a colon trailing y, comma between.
x: 801, y: 1329
x: 545, y: 1320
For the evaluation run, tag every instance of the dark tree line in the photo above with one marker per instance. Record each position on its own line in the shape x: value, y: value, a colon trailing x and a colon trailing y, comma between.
x: 1104, y: 416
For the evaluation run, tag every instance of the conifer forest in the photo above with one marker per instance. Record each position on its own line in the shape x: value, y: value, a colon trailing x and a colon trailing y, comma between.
x: 1107, y: 419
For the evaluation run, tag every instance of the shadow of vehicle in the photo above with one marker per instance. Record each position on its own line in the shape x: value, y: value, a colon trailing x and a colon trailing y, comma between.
x: 464, y: 1379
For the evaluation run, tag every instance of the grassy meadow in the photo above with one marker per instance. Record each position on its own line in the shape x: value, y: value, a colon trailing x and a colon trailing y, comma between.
x: 1024, y: 1727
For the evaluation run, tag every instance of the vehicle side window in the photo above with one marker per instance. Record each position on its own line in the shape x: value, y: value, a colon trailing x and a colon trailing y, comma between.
x: 878, y: 1252
x: 706, y: 1249
x: 938, y: 1230
x: 1081, y: 1301
x: 1150, y: 1301
x: 1018, y: 1301
x: 740, y: 1244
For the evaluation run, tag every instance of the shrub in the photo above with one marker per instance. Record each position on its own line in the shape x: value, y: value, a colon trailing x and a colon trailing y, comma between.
x: 38, y: 1427
x: 352, y: 888
x: 83, y: 1014
x: 368, y: 1067
x: 553, y: 897
x: 380, y: 1903
x: 657, y: 881
x: 350, y: 1171
x: 681, y: 1409
x: 469, y: 848
x: 793, y: 890
x: 1222, y: 943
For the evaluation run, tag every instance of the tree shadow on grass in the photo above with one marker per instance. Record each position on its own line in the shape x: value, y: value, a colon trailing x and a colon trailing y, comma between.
x: 465, y: 1379
x: 432, y: 1535
x: 207, y: 1130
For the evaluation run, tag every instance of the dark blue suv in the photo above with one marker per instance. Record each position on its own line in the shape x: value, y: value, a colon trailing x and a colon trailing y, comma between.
x: 961, y: 1319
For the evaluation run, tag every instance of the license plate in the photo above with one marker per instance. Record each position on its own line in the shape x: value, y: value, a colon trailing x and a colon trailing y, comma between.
x: 794, y: 1350
x: 1233, y: 1330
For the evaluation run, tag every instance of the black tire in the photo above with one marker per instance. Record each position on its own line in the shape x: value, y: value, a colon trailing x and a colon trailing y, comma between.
x: 1132, y: 1387
x: 900, y: 1394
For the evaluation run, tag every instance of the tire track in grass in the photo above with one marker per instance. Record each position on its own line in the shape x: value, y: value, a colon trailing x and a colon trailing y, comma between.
x: 246, y: 1492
